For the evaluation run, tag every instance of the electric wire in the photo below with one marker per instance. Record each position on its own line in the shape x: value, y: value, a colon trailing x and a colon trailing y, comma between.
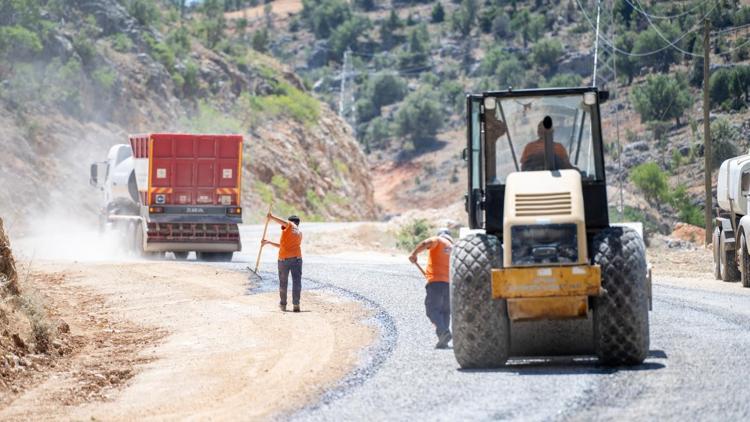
x: 643, y: 11
x: 659, y: 33
x: 612, y: 45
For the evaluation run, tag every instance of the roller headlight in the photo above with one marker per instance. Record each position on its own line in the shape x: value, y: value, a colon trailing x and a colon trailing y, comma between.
x: 544, y: 244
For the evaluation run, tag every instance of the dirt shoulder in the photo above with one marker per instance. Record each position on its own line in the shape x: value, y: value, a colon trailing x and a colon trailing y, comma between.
x: 176, y: 340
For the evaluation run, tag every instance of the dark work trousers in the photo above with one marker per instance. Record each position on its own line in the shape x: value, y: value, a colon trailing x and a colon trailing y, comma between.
x: 294, y: 266
x: 437, y: 303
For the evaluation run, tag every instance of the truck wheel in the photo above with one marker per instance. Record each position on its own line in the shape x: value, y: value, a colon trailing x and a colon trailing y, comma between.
x: 715, y: 246
x: 214, y: 256
x: 481, y: 332
x: 744, y: 262
x: 727, y: 261
x: 621, y: 313
x: 180, y: 256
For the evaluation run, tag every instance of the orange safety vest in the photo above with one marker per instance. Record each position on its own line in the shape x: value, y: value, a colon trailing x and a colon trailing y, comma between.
x: 290, y: 245
x: 438, y: 262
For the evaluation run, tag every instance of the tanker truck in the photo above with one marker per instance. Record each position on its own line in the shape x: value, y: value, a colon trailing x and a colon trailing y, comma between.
x: 169, y: 192
x: 732, y: 225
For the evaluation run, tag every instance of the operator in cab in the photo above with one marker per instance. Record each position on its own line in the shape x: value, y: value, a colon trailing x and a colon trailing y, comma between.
x: 532, y: 158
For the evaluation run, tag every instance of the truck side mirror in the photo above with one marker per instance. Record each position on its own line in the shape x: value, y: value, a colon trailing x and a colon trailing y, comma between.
x: 93, y: 179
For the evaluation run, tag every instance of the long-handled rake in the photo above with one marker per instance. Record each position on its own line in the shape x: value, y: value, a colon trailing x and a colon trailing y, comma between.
x: 260, y: 250
x: 420, y: 269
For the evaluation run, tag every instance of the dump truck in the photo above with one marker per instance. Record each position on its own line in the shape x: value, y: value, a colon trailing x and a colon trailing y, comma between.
x: 540, y: 270
x: 732, y: 223
x: 171, y: 192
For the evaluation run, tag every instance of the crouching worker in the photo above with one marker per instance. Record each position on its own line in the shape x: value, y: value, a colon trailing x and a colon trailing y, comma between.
x: 437, y: 301
x: 290, y: 259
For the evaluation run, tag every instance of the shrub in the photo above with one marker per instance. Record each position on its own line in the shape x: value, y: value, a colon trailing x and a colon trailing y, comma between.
x: 563, y: 80
x: 104, y: 78
x: 719, y: 85
x: 651, y: 180
x: 259, y: 41
x: 724, y: 138
x: 144, y: 11
x: 417, y: 54
x: 545, y: 55
x: 686, y: 211
x: 420, y: 117
x: 122, y: 43
x: 662, y: 97
x: 323, y: 16
x: 16, y: 40
x: 286, y: 101
x: 412, y: 233
x: 208, y: 119
x: 501, y: 26
x: 509, y: 73
x: 438, y: 13
x: 649, y: 40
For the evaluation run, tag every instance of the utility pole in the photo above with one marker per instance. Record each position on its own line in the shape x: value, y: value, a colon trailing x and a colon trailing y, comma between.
x: 344, y: 75
x: 707, y: 131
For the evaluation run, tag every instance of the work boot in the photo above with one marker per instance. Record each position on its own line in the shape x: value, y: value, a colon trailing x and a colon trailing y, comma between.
x: 296, y: 308
x: 443, y: 340
x: 282, y: 306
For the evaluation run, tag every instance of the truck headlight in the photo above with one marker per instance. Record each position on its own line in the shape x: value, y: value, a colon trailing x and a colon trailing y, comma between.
x: 544, y: 244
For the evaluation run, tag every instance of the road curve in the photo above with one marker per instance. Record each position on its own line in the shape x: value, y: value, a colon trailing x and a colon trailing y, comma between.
x: 696, y: 369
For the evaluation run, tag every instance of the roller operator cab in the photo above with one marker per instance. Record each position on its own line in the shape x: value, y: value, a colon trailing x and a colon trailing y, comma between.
x: 542, y: 272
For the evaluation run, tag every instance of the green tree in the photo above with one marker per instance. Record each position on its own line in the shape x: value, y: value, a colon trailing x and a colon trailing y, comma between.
x: 346, y: 35
x: 724, y: 140
x: 259, y: 41
x: 144, y: 11
x: 509, y: 73
x: 563, y: 80
x: 213, y: 24
x: 650, y: 179
x: 323, y: 16
x: 417, y: 53
x: 545, y: 54
x: 420, y: 117
x: 649, y: 41
x: 438, y: 13
x: 627, y: 66
x: 718, y: 85
x: 662, y: 97
x: 501, y: 26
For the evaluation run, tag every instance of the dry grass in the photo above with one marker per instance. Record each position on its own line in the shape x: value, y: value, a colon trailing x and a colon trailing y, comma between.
x: 8, y: 275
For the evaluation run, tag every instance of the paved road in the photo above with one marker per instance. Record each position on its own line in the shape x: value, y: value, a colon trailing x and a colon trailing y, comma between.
x: 697, y: 367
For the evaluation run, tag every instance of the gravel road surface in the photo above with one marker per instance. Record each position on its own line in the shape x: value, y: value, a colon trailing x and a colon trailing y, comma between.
x: 696, y: 369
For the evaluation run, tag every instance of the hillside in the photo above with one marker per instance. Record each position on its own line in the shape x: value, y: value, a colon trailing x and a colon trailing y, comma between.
x: 397, y: 71
x: 78, y: 77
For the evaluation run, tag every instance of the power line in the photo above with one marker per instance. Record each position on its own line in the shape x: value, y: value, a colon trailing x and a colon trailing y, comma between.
x: 658, y: 32
x: 643, y: 11
x: 612, y: 45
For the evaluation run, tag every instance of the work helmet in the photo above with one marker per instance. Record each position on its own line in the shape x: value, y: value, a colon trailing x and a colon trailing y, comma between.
x: 445, y: 233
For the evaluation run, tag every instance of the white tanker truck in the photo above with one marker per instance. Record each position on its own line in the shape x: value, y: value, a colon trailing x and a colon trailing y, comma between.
x: 732, y: 225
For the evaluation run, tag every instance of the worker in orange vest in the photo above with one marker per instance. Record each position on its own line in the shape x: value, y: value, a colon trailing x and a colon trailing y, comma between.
x: 437, y: 300
x: 290, y: 259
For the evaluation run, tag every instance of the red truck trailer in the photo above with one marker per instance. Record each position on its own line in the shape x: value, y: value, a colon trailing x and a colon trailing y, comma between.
x: 186, y: 189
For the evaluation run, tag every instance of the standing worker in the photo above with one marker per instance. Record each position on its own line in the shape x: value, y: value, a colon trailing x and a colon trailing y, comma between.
x: 290, y: 258
x: 437, y: 301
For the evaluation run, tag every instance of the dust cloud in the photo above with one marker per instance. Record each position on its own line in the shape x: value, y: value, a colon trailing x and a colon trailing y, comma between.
x: 60, y: 236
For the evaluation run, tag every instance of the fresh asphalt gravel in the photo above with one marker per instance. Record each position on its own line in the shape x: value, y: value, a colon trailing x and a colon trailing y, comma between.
x: 696, y: 370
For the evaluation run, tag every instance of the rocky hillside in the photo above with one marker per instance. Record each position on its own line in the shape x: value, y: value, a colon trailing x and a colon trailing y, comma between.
x: 405, y: 65
x: 77, y: 77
